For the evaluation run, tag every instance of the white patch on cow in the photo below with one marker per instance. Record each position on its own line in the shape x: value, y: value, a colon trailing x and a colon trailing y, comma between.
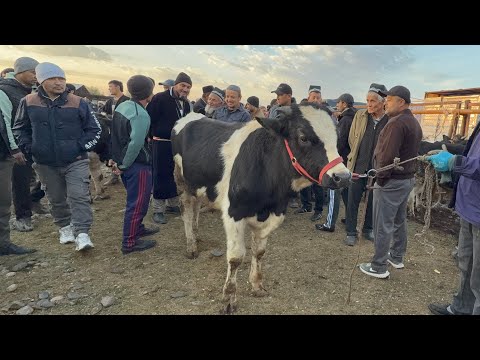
x: 325, y: 129
x: 264, y: 228
x: 300, y: 183
x: 179, y: 161
x: 202, y: 191
x: 181, y: 123
x: 229, y: 152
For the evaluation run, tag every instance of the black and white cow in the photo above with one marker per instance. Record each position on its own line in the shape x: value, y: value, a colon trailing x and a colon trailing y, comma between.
x: 246, y: 170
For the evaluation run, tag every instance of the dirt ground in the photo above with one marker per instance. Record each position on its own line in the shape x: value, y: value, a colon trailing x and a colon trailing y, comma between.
x: 305, y: 271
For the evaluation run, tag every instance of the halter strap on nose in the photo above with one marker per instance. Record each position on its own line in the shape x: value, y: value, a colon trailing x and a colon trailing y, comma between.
x: 304, y: 172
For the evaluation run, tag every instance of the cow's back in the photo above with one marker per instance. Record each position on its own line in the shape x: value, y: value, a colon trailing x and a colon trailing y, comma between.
x: 197, y: 145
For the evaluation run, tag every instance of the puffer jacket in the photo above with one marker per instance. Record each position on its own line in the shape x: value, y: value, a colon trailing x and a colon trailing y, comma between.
x: 55, y: 132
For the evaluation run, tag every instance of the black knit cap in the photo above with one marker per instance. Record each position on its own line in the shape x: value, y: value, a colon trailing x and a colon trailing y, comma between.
x: 182, y: 77
x: 70, y: 88
x: 140, y: 87
x: 207, y: 89
x: 253, y: 100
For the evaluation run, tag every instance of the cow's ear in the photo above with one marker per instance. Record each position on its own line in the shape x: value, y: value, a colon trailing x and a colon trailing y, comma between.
x: 280, y: 123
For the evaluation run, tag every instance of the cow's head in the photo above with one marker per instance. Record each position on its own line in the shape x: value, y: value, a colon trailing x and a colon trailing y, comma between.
x: 312, y: 136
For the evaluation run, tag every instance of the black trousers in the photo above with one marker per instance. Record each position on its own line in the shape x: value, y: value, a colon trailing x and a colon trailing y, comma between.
x: 355, y: 194
x: 306, y: 197
x: 22, y: 195
x: 21, y: 175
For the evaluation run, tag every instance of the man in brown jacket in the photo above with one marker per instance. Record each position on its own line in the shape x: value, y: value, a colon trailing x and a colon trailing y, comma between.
x: 399, y: 138
x: 366, y: 127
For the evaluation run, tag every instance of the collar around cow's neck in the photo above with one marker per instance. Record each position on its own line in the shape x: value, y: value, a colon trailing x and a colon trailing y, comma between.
x: 301, y: 170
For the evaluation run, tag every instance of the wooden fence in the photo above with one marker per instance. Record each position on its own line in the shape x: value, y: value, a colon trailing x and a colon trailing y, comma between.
x: 451, y: 118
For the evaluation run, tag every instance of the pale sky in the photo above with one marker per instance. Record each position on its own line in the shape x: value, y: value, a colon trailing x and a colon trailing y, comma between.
x: 258, y: 69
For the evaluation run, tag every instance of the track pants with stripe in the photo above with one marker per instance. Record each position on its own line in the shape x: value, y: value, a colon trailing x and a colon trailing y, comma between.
x: 137, y: 180
x: 334, y: 205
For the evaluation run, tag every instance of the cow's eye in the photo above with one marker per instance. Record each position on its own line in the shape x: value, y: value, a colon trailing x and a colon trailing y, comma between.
x: 303, y: 138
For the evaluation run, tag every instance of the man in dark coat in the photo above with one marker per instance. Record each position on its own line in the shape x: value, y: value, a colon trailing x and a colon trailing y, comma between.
x: 164, y: 110
x: 199, y: 106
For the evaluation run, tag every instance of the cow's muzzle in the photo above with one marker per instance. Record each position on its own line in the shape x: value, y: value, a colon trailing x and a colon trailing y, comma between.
x: 337, y: 180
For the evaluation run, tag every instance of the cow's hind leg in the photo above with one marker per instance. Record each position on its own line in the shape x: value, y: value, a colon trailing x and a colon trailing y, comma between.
x: 235, y: 231
x: 196, y: 213
x: 188, y: 204
x: 188, y: 207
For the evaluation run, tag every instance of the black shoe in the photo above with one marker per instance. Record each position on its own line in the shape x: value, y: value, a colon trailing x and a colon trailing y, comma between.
x: 149, y: 231
x: 172, y: 210
x: 351, y: 240
x: 368, y: 235
x: 344, y: 221
x: 440, y: 309
x: 324, y: 227
x: 13, y: 249
x: 302, y: 210
x: 316, y: 216
x: 159, y: 218
x: 141, y: 245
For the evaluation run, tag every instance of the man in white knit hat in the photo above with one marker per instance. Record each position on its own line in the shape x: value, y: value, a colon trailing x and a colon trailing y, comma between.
x: 59, y: 150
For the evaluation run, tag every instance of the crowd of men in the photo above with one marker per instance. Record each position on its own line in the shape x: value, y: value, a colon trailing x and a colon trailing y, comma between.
x: 47, y: 131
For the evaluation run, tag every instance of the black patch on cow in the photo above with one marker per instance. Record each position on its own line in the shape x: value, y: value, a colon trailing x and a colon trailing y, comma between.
x: 259, y: 185
x: 426, y: 146
x: 202, y: 162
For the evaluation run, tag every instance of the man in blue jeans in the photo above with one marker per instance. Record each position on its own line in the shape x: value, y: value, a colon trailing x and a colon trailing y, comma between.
x: 132, y: 160
x: 467, y: 205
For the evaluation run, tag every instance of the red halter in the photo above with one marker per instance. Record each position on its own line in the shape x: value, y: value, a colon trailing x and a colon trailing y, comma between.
x: 304, y: 172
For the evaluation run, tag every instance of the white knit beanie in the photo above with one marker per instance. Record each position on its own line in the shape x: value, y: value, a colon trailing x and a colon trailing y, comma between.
x: 48, y: 70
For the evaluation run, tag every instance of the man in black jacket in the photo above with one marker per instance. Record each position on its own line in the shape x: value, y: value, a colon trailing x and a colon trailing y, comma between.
x: 116, y: 90
x: 345, y: 118
x: 8, y: 152
x: 164, y: 110
x: 199, y: 106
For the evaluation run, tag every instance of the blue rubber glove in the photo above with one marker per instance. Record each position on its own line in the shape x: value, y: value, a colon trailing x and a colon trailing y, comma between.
x: 443, y: 161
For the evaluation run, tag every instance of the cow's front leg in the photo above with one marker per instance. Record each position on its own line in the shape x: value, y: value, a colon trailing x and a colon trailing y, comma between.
x: 235, y: 231
x: 95, y: 166
x: 187, y: 206
x: 258, y: 247
x: 260, y: 232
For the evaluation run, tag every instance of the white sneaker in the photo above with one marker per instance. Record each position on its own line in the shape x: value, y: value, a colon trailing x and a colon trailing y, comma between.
x: 66, y: 235
x: 83, y: 242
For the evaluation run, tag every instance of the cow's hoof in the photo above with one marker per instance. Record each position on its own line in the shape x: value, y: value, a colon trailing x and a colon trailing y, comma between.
x: 192, y: 254
x: 259, y: 292
x: 229, y: 309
